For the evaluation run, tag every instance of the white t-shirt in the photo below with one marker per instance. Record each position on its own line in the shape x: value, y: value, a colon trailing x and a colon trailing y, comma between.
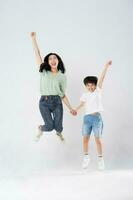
x: 93, y: 101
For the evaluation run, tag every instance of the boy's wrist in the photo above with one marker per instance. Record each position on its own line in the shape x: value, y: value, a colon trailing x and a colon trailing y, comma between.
x: 76, y: 109
x: 71, y: 109
x: 108, y: 63
x: 73, y: 112
x: 33, y: 38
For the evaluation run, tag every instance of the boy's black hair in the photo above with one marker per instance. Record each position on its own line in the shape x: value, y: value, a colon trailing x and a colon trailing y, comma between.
x: 90, y: 79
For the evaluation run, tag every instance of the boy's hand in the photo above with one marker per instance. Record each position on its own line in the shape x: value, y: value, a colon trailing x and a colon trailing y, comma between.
x: 33, y: 34
x: 73, y: 112
x: 109, y: 63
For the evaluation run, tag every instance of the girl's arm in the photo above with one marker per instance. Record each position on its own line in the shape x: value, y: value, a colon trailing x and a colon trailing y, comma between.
x: 36, y: 49
x: 101, y: 78
x: 67, y: 103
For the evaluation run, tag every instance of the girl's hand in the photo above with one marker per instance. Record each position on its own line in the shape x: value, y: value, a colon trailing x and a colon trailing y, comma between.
x: 33, y: 34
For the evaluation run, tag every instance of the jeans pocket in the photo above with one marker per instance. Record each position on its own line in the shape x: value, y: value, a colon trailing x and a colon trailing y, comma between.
x: 98, y: 118
x: 58, y: 100
x: 43, y: 99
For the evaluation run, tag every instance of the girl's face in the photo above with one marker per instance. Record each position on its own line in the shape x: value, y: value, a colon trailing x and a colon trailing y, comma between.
x: 53, y: 62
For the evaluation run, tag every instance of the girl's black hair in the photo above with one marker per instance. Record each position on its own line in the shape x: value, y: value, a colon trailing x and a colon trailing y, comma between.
x: 45, y: 65
x: 90, y: 79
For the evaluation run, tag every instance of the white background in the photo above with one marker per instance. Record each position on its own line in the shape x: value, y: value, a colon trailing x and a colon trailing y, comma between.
x: 85, y: 34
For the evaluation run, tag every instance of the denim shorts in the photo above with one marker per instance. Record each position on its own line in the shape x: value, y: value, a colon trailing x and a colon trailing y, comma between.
x: 92, y: 123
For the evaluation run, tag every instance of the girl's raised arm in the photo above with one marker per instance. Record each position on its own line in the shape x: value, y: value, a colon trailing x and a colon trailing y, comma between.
x: 36, y: 49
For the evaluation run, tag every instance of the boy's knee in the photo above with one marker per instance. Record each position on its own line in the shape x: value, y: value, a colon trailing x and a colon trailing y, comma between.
x: 86, y: 138
x: 98, y: 140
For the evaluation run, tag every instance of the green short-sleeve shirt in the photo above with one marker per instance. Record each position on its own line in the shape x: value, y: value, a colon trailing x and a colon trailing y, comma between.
x: 52, y: 84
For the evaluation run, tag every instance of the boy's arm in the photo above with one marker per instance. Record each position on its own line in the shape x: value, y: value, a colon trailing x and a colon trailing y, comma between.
x: 36, y: 49
x: 102, y: 76
x: 81, y: 105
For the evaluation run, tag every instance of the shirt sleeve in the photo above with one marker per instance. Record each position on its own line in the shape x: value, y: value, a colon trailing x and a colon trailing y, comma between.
x: 63, y: 85
x: 83, y: 98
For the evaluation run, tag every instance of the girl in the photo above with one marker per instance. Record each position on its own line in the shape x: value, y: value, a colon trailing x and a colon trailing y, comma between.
x: 52, y: 89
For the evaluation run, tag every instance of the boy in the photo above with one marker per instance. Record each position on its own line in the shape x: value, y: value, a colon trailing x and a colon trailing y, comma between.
x: 92, y: 119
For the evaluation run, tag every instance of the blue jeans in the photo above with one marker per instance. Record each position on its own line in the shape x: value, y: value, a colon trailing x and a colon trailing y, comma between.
x: 92, y: 123
x: 51, y: 109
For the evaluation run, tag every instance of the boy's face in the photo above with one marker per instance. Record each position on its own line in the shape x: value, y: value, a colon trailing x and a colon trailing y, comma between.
x: 91, y: 87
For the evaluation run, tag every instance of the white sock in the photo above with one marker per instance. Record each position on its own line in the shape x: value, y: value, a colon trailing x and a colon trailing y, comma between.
x: 100, y: 156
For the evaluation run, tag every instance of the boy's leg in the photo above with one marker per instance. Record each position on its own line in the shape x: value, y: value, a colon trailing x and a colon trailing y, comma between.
x: 86, y: 144
x: 99, y: 146
x: 98, y: 128
x: 86, y: 132
x: 86, y: 159
x: 101, y: 165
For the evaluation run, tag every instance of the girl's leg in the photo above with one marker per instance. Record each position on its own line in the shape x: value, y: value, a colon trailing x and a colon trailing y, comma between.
x: 58, y: 120
x: 46, y: 115
x: 58, y: 115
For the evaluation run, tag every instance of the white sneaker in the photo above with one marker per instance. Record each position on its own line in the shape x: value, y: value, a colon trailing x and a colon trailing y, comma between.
x: 86, y: 161
x: 39, y: 133
x: 101, y: 165
x: 60, y: 136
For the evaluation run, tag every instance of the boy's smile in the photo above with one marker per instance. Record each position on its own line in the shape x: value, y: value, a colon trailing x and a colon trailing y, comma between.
x: 90, y: 87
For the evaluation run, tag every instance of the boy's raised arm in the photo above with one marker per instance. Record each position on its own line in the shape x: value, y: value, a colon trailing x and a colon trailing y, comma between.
x: 102, y: 76
x: 36, y: 49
